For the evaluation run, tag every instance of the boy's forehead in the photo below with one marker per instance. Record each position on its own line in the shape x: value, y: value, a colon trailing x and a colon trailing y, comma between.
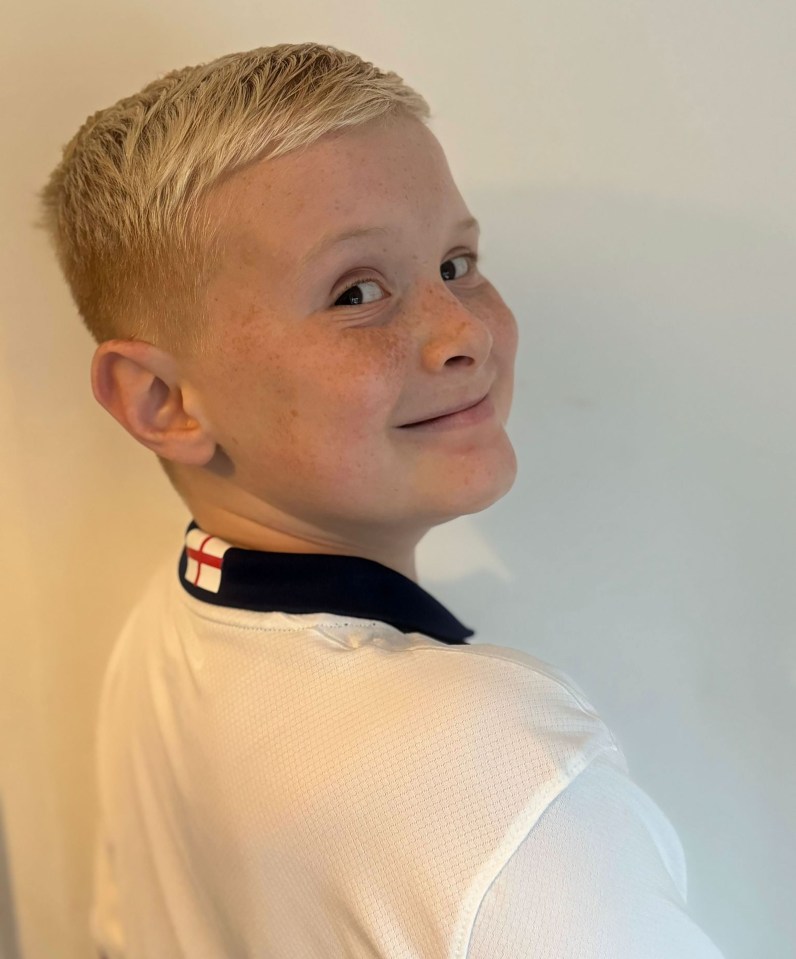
x: 357, y: 163
x: 371, y: 176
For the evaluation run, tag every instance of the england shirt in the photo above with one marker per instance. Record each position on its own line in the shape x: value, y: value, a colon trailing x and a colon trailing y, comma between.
x: 300, y: 756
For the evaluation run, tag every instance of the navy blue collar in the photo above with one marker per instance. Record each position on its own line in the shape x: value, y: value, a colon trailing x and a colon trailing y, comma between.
x: 213, y: 570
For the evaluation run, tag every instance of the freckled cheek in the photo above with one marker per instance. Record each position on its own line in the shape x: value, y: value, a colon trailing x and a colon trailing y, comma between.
x: 367, y: 385
x: 248, y: 407
x: 351, y: 422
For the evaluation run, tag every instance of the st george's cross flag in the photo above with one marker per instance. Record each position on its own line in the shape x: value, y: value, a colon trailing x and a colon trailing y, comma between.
x: 205, y: 559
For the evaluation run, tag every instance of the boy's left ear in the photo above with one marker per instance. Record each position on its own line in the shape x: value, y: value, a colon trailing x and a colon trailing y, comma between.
x: 138, y: 384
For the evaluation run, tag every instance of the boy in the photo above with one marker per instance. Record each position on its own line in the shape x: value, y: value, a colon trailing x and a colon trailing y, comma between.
x: 299, y: 753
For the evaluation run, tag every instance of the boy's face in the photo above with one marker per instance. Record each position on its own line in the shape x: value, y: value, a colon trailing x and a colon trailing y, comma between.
x: 307, y: 398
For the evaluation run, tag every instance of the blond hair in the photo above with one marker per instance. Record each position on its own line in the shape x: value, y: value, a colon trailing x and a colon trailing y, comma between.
x: 122, y: 209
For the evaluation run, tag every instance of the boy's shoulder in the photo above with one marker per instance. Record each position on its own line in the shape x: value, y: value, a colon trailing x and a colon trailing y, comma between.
x: 355, y: 688
x: 340, y: 753
x: 493, y: 689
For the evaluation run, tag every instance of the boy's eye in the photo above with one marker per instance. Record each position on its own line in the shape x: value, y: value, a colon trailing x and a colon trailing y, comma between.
x: 355, y: 295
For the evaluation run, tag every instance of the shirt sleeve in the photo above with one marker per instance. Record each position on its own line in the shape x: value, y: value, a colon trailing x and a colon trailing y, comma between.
x: 105, y: 930
x: 601, y: 875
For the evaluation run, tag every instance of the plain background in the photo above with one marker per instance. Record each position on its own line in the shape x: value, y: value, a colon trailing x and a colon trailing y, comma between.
x: 632, y: 165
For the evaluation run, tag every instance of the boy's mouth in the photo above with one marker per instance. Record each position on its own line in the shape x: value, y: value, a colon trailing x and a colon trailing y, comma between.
x: 468, y: 404
x: 471, y: 412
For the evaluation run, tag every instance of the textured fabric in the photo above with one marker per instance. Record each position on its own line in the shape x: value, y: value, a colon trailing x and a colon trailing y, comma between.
x: 311, y: 784
x: 600, y: 876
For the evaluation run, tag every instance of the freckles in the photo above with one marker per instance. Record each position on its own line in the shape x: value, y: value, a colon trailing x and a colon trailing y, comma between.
x: 395, y: 351
x: 381, y: 379
x: 374, y: 355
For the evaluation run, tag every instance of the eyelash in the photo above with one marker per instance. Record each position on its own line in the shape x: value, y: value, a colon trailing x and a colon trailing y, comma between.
x: 472, y: 257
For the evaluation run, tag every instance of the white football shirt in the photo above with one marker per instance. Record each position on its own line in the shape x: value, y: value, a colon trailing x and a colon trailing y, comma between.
x: 300, y: 756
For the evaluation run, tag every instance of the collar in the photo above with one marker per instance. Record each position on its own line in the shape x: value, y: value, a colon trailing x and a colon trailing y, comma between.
x: 215, y: 571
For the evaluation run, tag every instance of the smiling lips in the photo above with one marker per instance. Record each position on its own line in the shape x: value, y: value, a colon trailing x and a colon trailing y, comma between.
x: 481, y: 411
x: 469, y: 404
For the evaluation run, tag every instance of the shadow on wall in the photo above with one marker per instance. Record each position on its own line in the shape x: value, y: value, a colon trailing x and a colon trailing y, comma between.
x: 9, y: 944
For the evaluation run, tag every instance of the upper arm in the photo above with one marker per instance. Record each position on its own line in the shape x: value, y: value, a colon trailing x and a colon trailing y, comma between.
x: 601, y: 875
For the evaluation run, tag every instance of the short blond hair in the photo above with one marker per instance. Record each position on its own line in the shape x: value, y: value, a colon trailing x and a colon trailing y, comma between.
x: 122, y: 209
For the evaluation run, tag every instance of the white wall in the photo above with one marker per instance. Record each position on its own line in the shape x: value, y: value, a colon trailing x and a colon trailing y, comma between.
x: 632, y: 167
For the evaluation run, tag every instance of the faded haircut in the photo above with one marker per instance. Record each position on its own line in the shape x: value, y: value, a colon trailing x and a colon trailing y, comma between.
x: 122, y: 207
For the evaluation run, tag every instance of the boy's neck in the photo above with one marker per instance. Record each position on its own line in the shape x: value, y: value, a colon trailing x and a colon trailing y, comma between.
x: 247, y: 533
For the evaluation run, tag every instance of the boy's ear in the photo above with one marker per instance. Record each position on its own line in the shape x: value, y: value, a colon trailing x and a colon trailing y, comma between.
x: 138, y: 384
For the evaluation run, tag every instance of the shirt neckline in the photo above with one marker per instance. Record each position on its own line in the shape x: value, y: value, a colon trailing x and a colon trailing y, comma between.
x: 214, y: 571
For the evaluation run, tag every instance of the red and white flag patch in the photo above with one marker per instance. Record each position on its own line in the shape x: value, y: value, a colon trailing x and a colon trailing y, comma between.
x: 205, y: 554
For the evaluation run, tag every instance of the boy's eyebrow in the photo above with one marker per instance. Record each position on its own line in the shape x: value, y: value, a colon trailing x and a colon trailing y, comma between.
x: 335, y: 238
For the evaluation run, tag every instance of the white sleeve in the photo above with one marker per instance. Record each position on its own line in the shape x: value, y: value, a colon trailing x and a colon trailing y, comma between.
x: 105, y: 930
x: 601, y: 875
